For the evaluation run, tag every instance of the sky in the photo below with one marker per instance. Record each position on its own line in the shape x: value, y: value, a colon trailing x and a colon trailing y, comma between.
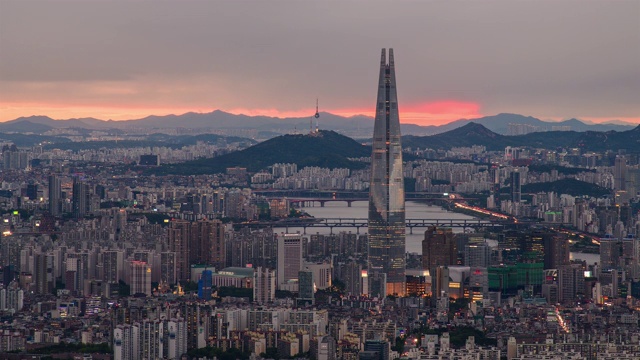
x: 116, y: 59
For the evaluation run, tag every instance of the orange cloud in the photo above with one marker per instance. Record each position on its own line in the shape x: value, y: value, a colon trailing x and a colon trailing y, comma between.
x: 10, y: 111
x: 273, y: 112
x: 426, y: 113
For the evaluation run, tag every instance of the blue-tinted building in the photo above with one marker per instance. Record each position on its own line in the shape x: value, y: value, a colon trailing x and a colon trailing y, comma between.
x: 204, y: 285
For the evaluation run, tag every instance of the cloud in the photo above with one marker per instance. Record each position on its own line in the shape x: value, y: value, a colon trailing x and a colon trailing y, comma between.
x: 556, y: 59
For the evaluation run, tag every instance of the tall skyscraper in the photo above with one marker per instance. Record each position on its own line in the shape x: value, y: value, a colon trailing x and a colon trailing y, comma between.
x: 81, y: 198
x: 386, y: 191
x: 55, y: 195
x: 516, y: 187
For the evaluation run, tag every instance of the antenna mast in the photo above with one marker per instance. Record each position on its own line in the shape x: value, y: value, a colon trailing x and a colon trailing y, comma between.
x: 317, y: 115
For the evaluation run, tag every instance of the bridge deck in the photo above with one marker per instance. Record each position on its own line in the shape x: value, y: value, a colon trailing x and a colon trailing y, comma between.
x: 363, y: 222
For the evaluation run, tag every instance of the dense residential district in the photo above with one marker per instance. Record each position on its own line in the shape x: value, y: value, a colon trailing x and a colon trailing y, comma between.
x: 100, y: 261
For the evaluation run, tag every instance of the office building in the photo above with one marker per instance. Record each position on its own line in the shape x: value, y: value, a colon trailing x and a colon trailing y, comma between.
x: 556, y: 250
x: 438, y: 248
x: 381, y: 347
x: 289, y: 260
x: 204, y: 285
x: 305, y: 288
x: 477, y: 254
x: 386, y: 191
x: 570, y: 282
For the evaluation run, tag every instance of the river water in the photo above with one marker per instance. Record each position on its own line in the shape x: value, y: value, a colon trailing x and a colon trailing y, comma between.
x: 360, y: 209
x: 414, y: 210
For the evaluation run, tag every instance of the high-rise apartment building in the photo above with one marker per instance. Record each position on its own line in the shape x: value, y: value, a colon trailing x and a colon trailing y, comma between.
x: 438, y: 248
x: 264, y: 285
x: 620, y: 173
x: 140, y: 278
x: 80, y: 200
x: 199, y: 242
x: 610, y: 252
x: 351, y: 273
x: 112, y: 263
x: 386, y: 191
x: 43, y: 264
x: 206, y: 245
x: 168, y: 267
x: 179, y: 234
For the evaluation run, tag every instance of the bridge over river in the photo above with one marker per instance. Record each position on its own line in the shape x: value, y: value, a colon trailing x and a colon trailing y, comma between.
x: 358, y: 223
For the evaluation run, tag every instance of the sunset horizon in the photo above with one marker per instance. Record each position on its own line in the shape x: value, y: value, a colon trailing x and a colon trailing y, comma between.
x: 412, y: 115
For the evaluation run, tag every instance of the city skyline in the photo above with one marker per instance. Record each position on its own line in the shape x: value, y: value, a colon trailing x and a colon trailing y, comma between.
x: 283, y: 215
x: 460, y: 60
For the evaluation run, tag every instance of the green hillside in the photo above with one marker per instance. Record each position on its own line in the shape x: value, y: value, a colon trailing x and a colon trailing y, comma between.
x: 328, y: 149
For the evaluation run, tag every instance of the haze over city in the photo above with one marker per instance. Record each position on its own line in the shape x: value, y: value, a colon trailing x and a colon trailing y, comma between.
x: 128, y: 59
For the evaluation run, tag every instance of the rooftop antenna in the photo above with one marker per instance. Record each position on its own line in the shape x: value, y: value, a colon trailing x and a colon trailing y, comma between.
x: 317, y: 115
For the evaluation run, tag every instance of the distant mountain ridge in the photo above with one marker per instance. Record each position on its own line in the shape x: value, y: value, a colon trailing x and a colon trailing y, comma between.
x: 477, y: 134
x: 349, y: 125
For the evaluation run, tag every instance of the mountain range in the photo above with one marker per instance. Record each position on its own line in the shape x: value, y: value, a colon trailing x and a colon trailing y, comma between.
x: 333, y: 150
x: 477, y: 134
x: 358, y: 125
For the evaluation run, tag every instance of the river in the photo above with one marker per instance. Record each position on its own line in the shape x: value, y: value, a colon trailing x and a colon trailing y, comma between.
x: 414, y: 210
x: 360, y: 209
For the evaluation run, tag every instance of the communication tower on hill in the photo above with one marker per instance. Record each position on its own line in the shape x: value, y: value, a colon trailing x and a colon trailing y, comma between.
x: 315, y: 132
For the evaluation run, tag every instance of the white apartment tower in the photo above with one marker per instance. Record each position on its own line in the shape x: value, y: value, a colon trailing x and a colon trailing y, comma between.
x: 264, y: 285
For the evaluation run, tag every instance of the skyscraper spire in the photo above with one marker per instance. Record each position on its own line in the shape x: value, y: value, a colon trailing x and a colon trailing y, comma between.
x: 386, y: 191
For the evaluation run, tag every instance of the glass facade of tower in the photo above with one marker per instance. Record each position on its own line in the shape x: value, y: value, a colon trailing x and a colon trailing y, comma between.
x: 386, y: 192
